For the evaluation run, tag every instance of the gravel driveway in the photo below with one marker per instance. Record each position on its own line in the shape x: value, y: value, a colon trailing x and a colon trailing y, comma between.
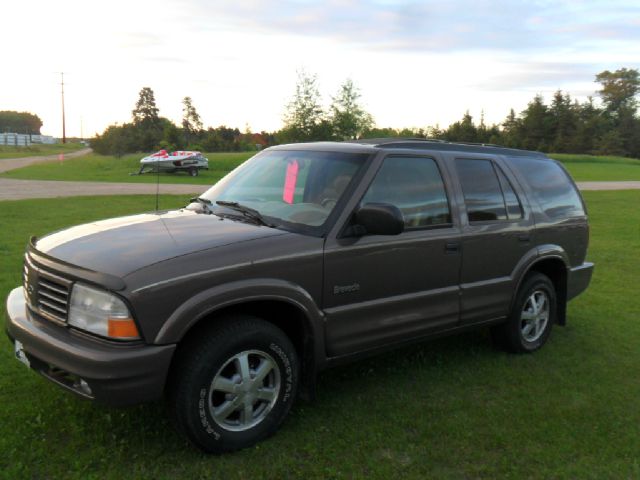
x: 11, y: 189
x: 13, y: 163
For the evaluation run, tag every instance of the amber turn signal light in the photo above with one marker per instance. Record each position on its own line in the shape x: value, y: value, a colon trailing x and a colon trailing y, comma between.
x: 123, y: 328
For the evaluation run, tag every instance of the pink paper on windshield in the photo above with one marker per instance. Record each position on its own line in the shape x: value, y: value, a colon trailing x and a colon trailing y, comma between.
x: 290, y: 179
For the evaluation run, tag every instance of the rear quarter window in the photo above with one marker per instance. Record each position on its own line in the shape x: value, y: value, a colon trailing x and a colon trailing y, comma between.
x: 551, y: 187
x: 482, y: 193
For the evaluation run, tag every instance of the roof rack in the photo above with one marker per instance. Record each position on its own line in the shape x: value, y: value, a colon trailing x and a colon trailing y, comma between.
x: 384, y: 140
x: 443, y: 145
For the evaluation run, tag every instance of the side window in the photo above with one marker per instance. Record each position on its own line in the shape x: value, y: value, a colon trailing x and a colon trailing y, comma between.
x: 415, y: 186
x: 551, y: 187
x: 482, y: 193
x: 511, y: 201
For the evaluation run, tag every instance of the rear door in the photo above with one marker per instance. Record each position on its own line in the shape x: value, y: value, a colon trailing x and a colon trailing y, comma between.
x: 497, y: 229
x: 385, y: 289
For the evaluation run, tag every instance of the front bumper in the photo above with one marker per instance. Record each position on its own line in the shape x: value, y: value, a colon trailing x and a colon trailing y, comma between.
x: 116, y: 374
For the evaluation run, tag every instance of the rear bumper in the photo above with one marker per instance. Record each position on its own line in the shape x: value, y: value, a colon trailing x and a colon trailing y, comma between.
x: 579, y: 279
x: 116, y: 374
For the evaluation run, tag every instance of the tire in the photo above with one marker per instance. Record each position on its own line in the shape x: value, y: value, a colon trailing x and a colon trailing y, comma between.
x: 214, y: 397
x: 193, y: 172
x: 533, y: 314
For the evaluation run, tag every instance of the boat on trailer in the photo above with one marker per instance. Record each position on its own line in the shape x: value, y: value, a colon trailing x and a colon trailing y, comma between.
x: 190, y: 162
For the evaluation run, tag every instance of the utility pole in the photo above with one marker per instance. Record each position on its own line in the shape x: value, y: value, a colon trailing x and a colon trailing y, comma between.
x: 64, y: 131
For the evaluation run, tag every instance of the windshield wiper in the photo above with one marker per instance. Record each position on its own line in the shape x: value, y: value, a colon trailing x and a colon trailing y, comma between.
x: 202, y: 201
x: 248, y: 212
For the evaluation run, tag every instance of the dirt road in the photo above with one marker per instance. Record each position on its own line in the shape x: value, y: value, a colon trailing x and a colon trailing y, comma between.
x: 13, y: 163
x: 11, y: 189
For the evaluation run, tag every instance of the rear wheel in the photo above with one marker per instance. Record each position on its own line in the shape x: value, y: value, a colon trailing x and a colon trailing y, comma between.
x: 534, y: 312
x: 235, y: 386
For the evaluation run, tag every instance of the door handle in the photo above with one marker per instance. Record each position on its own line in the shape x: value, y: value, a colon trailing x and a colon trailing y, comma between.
x: 524, y: 237
x: 452, y: 248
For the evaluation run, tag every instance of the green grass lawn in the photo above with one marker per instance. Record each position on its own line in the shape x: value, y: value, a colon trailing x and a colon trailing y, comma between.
x: 101, y: 168
x: 599, y: 168
x: 38, y: 150
x: 451, y: 408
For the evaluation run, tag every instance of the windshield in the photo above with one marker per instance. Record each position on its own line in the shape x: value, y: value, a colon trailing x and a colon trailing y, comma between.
x: 289, y: 187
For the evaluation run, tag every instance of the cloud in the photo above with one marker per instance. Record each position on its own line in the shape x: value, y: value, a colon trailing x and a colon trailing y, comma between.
x: 140, y: 40
x: 440, y: 25
x: 534, y: 75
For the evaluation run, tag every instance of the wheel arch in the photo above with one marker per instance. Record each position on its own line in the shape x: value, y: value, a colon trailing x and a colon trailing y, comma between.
x: 288, y: 308
x: 555, y: 267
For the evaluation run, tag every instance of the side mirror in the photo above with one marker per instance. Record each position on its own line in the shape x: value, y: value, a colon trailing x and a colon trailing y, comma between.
x: 378, y: 219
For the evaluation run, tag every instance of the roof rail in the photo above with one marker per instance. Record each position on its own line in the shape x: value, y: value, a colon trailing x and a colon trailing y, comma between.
x: 443, y: 145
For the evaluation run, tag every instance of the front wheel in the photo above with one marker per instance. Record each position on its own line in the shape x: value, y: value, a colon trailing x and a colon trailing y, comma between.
x: 193, y: 171
x: 532, y: 316
x: 234, y: 387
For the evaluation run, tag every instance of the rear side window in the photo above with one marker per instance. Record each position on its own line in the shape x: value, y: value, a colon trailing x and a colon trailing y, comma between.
x: 482, y: 193
x: 551, y: 187
x: 414, y: 185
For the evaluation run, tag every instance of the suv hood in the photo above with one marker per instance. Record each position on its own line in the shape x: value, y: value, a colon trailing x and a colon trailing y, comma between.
x: 119, y: 246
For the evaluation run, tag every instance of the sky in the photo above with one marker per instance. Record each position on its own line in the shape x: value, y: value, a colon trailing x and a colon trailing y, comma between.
x: 417, y: 63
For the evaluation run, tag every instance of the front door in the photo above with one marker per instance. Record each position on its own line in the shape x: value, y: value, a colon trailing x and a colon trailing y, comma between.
x: 380, y: 289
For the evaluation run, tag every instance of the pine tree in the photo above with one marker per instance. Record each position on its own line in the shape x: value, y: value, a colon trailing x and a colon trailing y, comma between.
x: 191, y: 122
x: 146, y: 111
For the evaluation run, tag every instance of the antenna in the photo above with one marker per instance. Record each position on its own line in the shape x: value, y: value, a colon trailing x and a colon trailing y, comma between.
x: 64, y: 131
x: 157, y: 184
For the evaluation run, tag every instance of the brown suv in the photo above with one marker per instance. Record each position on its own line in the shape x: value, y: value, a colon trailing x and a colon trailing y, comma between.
x: 303, y: 257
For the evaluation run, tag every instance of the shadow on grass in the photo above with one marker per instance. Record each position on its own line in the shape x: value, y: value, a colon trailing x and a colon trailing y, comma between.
x: 148, y: 426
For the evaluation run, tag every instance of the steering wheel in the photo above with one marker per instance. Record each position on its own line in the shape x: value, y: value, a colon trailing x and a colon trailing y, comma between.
x: 328, y: 202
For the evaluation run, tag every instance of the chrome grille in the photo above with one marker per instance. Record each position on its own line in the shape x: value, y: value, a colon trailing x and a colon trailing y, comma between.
x: 46, y: 293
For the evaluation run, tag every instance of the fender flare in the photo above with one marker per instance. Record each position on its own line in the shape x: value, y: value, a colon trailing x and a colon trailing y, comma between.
x: 216, y: 298
x: 528, y: 262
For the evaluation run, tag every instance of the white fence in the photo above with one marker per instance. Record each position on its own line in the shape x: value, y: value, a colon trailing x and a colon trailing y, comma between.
x: 22, y: 140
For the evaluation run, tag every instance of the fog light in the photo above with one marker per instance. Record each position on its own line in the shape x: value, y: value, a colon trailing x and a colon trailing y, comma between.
x: 82, y: 386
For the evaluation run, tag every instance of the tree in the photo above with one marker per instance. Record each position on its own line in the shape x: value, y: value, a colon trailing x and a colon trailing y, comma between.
x: 146, y: 111
x: 117, y: 140
x: 463, y: 130
x: 304, y: 115
x: 19, y: 122
x: 147, y: 121
x: 563, y: 121
x: 191, y: 122
x: 171, y: 136
x: 511, y: 130
x: 619, y: 89
x: 348, y: 118
x: 536, y: 125
x: 611, y: 143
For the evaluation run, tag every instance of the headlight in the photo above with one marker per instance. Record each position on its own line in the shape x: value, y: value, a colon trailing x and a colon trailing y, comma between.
x: 97, y: 311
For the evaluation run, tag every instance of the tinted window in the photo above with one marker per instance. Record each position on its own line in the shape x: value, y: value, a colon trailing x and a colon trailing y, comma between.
x: 482, y: 192
x: 551, y: 187
x: 414, y: 185
x: 511, y: 201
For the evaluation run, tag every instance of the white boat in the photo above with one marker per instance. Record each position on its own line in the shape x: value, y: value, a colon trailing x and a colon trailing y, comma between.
x: 180, y: 161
